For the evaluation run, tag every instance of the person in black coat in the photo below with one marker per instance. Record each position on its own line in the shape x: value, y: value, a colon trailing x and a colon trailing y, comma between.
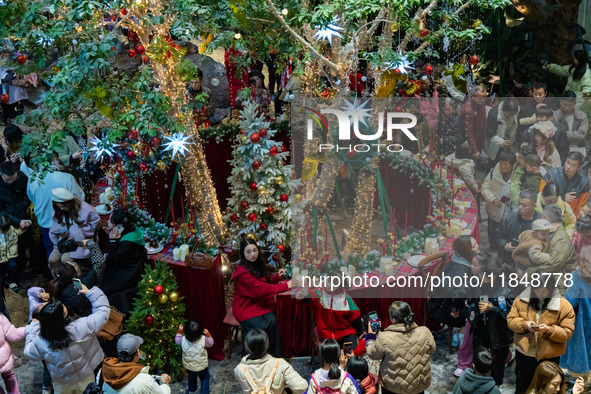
x: 489, y: 326
x: 449, y: 132
x: 125, y: 261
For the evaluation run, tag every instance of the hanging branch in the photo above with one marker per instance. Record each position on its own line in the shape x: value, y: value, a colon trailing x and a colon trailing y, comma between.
x: 418, y: 17
x: 299, y: 38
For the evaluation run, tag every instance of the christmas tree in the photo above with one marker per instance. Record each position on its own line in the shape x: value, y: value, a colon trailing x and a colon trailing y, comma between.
x: 264, y: 198
x: 156, y: 317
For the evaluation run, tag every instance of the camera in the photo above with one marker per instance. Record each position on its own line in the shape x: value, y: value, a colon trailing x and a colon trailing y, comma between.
x: 157, y: 378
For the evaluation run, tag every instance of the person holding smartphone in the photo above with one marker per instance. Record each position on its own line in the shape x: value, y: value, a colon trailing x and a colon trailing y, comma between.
x: 543, y: 321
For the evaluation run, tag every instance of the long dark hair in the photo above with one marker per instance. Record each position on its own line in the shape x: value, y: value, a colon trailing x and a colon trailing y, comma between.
x: 358, y: 368
x: 258, y: 268
x: 401, y: 311
x: 540, y: 305
x: 13, y: 135
x: 256, y: 344
x: 330, y: 352
x: 581, y: 68
x: 463, y: 247
x: 63, y: 275
x: 122, y: 217
x: 53, y: 325
x: 67, y: 217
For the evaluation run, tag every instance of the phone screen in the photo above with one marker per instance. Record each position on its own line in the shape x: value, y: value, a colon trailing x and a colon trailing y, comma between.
x: 374, y: 320
x: 119, y: 228
x: 483, y: 298
x: 77, y: 283
x: 348, y: 348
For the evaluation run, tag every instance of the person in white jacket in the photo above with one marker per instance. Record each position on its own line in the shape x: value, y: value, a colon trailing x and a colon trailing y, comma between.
x: 123, y: 374
x: 194, y: 344
x: 496, y: 191
x: 259, y: 370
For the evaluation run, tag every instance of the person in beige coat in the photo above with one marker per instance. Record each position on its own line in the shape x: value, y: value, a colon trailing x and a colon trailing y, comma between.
x: 259, y: 370
x: 405, y: 350
x: 543, y: 322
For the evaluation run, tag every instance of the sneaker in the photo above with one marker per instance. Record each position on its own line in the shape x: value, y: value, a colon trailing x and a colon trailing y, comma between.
x: 14, y: 287
x: 47, y: 390
x: 458, y: 372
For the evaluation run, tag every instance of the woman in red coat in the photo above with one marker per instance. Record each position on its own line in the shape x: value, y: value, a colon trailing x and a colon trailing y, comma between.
x: 254, y: 297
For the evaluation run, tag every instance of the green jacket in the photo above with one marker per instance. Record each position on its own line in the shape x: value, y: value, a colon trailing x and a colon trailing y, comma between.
x: 66, y: 150
x: 516, y: 183
x: 580, y: 86
x: 531, y: 181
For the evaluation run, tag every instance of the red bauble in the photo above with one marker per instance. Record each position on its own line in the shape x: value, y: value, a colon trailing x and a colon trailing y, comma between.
x: 113, y: 49
x: 144, y: 59
x: 256, y: 165
x: 4, y: 99
x: 21, y: 59
x: 123, y: 11
x: 140, y: 49
x: 143, y: 167
x: 155, y: 142
x: 113, y: 18
x: 255, y: 137
x: 401, y: 92
x: 244, y: 205
x: 241, y: 131
x: 131, y: 53
x: 131, y: 155
x: 252, y: 217
x: 428, y: 69
x: 270, y: 210
x: 158, y: 289
x: 281, y: 248
x: 398, y: 108
x: 263, y: 133
x: 283, y: 149
x: 474, y: 60
x: 283, y: 198
x: 273, y: 151
x: 149, y: 320
x: 424, y: 33
x: 263, y: 226
x: 133, y: 134
x: 397, y: 71
x: 253, y: 187
x: 275, y: 257
x: 234, y: 218
x: 132, y: 36
x: 351, y: 154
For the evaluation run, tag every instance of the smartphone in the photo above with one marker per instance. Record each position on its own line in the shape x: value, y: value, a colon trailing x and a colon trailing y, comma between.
x: 483, y: 298
x: 85, y: 155
x: 119, y: 228
x: 348, y: 348
x: 77, y: 283
x: 515, y: 242
x: 374, y: 321
x: 535, y: 326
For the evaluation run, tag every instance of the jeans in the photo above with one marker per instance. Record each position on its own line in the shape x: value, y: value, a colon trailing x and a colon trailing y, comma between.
x: 10, y: 382
x: 48, y: 249
x: 47, y: 382
x: 203, y: 376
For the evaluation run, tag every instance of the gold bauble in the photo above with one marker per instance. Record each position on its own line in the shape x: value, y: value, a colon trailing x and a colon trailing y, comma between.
x: 182, y: 117
x: 163, y: 298
x: 279, y: 180
x: 298, y: 198
x: 174, y: 296
x: 161, y: 165
x: 243, y: 139
x: 250, y: 235
x: 477, y: 23
x: 394, y: 27
x: 261, y: 189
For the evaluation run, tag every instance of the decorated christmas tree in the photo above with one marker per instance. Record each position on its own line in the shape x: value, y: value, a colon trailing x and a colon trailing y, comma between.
x: 264, y: 198
x: 156, y: 317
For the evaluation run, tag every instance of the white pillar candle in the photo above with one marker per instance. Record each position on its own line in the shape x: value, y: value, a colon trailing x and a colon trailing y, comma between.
x: 176, y: 254
x: 352, y: 271
x: 184, y: 249
x: 343, y: 269
x: 389, y: 269
x: 295, y: 271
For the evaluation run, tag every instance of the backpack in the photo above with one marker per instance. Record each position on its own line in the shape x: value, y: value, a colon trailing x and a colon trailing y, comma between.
x: 328, y: 390
x: 256, y: 389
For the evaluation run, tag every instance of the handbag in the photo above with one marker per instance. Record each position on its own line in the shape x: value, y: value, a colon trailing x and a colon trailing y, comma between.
x: 113, y: 327
x: 199, y: 259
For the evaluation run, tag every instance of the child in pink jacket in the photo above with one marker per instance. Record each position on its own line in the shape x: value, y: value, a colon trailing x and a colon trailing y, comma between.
x: 8, y: 332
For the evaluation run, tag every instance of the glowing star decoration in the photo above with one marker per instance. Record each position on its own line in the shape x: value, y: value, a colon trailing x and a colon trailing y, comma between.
x: 177, y: 143
x: 402, y: 64
x: 102, y: 147
x: 328, y: 32
x: 357, y: 112
x: 45, y: 41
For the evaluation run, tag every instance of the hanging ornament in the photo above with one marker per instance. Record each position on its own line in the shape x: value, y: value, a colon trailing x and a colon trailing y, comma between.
x: 256, y: 165
x: 250, y: 236
x: 255, y: 137
x: 158, y: 289
x: 424, y: 33
x: 123, y: 11
x: 132, y: 36
x: 174, y: 296
x: 234, y: 218
x: 283, y: 149
x: 401, y: 92
x: 477, y: 23
x: 144, y: 59
x: 143, y: 167
x: 253, y: 186
x: 298, y: 198
x: 241, y: 131
x: 161, y: 165
x: 263, y: 226
x: 281, y: 248
x: 163, y: 298
x: 131, y: 53
x: 252, y: 217
x: 140, y: 49
x: 275, y: 257
x: 394, y: 27
x: 149, y: 320
x: 155, y: 142
x: 133, y: 134
x: 283, y: 198
x: 244, y: 205
x: 131, y: 155
x: 273, y: 151
x: 474, y: 60
x: 263, y: 132
x: 4, y: 99
x: 243, y: 139
x: 279, y: 180
x: 21, y: 59
x: 270, y: 210
x: 261, y: 189
x: 428, y: 69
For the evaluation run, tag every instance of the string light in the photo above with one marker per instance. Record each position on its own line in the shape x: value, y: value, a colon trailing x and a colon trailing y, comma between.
x: 237, y: 36
x: 284, y: 12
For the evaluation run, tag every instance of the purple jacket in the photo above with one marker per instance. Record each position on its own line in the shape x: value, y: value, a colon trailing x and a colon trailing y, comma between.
x: 88, y: 219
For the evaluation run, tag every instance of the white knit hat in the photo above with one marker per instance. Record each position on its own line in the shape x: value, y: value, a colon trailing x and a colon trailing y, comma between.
x: 62, y: 195
x: 541, y: 224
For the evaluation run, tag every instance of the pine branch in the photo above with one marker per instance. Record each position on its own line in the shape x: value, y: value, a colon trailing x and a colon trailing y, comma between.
x: 298, y: 37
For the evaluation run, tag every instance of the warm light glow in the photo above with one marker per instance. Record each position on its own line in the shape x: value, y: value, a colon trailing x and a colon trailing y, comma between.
x: 237, y: 36
x: 284, y: 11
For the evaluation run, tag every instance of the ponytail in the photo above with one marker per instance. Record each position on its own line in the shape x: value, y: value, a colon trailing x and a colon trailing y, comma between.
x: 334, y: 372
x: 330, y: 352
